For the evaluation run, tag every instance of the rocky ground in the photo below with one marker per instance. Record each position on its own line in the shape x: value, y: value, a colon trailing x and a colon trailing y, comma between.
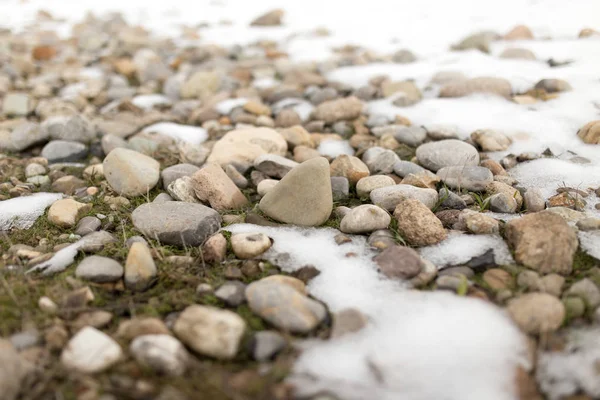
x: 187, y: 222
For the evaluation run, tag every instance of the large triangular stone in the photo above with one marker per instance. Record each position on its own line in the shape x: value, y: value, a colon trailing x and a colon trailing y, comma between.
x: 303, y: 196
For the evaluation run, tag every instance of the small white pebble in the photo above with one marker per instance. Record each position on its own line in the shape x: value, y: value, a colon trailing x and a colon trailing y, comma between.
x: 47, y: 305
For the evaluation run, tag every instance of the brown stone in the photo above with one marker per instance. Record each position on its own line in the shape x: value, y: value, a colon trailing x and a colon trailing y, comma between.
x: 211, y: 184
x: 543, y: 241
x: 417, y: 224
x: 399, y: 262
x: 590, y: 133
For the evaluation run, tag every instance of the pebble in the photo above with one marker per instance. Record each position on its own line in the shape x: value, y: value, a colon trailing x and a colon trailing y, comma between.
x: 296, y: 136
x: 589, y: 133
x: 450, y: 282
x: 284, y: 305
x: 498, y: 279
x: 182, y: 189
x: 110, y: 142
x: 68, y: 185
x: 537, y: 313
x: 271, y: 18
x: 365, y: 218
x: 236, y: 177
x: 200, y: 85
x: 265, y: 186
x: 380, y: 160
x: 574, y: 307
x: 303, y: 196
x: 530, y: 280
x: 502, y: 203
x: 490, y: 140
x: 519, y: 32
x: 349, y: 167
x: 66, y: 212
x: 473, y: 178
x: 174, y: 172
x: 340, y: 188
x: 534, y: 200
x: 447, y: 153
x: 211, y: 184
x: 518, y: 54
x: 99, y: 269
x: 497, y: 86
x: 273, y: 165
x: 366, y: 185
x: 231, y: 293
x: 331, y: 111
x: 90, y: 351
x: 412, y: 136
x: 553, y: 85
x: 399, y: 262
x: 451, y: 200
x: 266, y: 344
x: 140, y: 326
x: 587, y: 290
x: 249, y: 245
x: 140, y: 270
x: 14, y: 372
x: 588, y: 224
x: 58, y: 151
x: 47, y: 305
x: 176, y: 223
x: 347, y: 321
x: 25, y: 339
x: 34, y: 169
x: 388, y: 197
x: 210, y: 331
x: 417, y: 224
x: 479, y: 41
x: 509, y: 191
x: 76, y: 128
x: 404, y: 168
x: 130, y: 173
x: 477, y: 223
x: 161, y: 353
x: 543, y: 241
x: 241, y: 147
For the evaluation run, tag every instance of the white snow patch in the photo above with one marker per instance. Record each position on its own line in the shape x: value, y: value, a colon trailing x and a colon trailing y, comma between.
x: 226, y: 106
x: 418, y: 345
x: 334, y: 148
x: 564, y: 373
x: 302, y: 107
x: 22, y: 212
x: 459, y: 248
x: 149, y: 101
x: 185, y: 133
x: 590, y: 243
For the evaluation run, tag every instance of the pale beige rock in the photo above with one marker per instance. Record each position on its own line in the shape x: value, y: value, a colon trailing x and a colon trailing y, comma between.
x: 210, y: 331
x: 490, y: 140
x: 364, y: 219
x: 13, y: 370
x: 498, y: 86
x: 200, y: 85
x: 297, y: 136
x: 590, y: 133
x: 265, y: 186
x: 338, y: 110
x: 366, y: 185
x: 130, y: 173
x: 212, y: 185
x: 140, y: 270
x: 519, y: 32
x: 215, y: 248
x: 543, y: 241
x: 303, y: 196
x: 417, y: 224
x: 249, y: 245
x: 349, y: 167
x: 537, y: 313
x: 66, y: 212
x: 241, y: 147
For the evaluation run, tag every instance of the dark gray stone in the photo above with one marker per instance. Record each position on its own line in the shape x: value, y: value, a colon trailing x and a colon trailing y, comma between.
x: 340, y: 187
x: 64, y: 151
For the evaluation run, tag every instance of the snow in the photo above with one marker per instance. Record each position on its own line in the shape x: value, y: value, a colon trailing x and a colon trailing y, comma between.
x: 333, y: 148
x: 562, y: 373
x: 459, y: 248
x: 418, y: 345
x: 590, y: 243
x: 149, y: 101
x: 22, y: 212
x: 186, y: 133
x: 226, y: 106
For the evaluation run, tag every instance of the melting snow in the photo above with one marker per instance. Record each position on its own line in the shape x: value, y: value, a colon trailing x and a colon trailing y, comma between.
x: 22, y: 212
x: 418, y: 345
x: 185, y: 133
x: 459, y: 248
x: 149, y: 101
x: 334, y: 148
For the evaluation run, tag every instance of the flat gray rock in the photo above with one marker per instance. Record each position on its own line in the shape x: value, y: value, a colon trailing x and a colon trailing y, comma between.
x: 176, y: 223
x: 99, y: 269
x: 174, y: 172
x: 388, y: 197
x: 446, y: 153
x: 64, y: 151
x: 467, y: 177
x: 21, y: 137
